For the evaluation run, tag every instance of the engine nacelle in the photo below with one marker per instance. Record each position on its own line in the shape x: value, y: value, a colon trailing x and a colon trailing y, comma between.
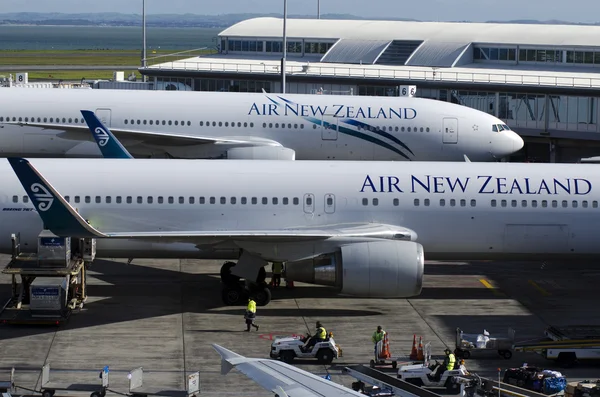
x: 378, y: 269
x: 261, y: 153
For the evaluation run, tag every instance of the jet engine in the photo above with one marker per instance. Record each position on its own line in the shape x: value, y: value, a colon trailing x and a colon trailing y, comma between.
x: 379, y: 269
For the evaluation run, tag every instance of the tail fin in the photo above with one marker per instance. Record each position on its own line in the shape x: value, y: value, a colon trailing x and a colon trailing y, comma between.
x: 108, y: 144
x: 58, y: 215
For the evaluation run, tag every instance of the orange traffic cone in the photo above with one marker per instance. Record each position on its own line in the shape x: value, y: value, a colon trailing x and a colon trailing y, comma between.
x: 385, y: 352
x: 420, y: 354
x: 413, y: 352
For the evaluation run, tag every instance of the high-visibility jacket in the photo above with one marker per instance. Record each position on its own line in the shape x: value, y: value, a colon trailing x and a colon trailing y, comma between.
x: 451, y: 362
x: 321, y: 333
x: 277, y: 267
x: 251, y: 306
x: 377, y: 336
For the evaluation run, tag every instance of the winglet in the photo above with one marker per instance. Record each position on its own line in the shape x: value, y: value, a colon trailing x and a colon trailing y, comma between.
x: 226, y: 356
x: 108, y: 144
x: 58, y: 215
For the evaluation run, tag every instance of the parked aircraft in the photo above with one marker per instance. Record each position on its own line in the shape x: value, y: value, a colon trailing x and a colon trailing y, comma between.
x: 362, y: 227
x: 48, y: 123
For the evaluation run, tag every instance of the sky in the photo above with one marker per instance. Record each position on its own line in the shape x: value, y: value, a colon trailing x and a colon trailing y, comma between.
x: 431, y: 10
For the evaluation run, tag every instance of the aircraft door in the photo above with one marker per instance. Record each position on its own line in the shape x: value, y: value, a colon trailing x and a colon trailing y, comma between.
x: 329, y: 127
x: 450, y: 130
x: 104, y: 116
x: 329, y: 203
x: 309, y: 203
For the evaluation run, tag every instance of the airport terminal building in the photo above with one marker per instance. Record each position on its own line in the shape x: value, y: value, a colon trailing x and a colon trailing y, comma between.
x: 542, y: 80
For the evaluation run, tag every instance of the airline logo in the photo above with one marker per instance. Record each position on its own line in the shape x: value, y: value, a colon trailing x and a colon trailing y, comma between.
x: 481, y: 184
x: 43, y: 197
x: 102, y: 135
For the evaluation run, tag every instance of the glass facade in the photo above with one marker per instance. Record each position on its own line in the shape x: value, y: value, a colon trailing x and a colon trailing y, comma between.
x: 537, y: 55
x: 275, y: 46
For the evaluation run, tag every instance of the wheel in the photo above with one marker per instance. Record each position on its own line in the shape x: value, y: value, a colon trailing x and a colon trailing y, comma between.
x: 507, y: 354
x: 103, y: 393
x: 287, y: 356
x: 325, y: 356
x: 372, y: 363
x: 231, y: 295
x: 394, y: 364
x: 95, y: 394
x: 414, y: 381
x: 465, y: 354
x: 262, y: 296
x: 47, y: 393
x: 226, y: 277
x: 566, y: 360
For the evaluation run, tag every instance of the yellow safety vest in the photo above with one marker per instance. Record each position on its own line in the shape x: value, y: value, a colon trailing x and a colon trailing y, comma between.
x: 251, y: 306
x: 277, y: 267
x: 377, y: 336
x: 321, y: 333
x: 451, y: 362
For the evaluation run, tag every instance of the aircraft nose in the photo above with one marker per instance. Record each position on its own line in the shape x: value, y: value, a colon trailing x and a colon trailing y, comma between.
x: 506, y: 143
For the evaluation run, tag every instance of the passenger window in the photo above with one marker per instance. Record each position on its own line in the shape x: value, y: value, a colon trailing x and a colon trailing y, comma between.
x: 554, y: 203
x: 15, y: 199
x: 67, y: 199
x: 534, y: 203
x: 245, y: 125
x: 232, y: 200
x: 227, y: 124
x: 108, y: 200
x: 594, y: 204
x: 254, y: 201
x: 212, y: 200
x: 493, y: 203
x: 77, y: 199
x: 473, y: 203
x: 181, y: 200
x: 452, y: 202
x: 275, y: 200
x: 375, y: 201
x: 201, y: 200
x: 118, y: 199
x: 265, y: 201
x: 544, y: 203
x: 427, y: 129
x: 442, y: 202
x: 264, y: 125
x: 244, y: 200
x: 503, y: 203
x: 523, y: 203
x: 296, y: 201
x: 513, y: 203
x: 251, y: 125
x: 584, y: 204
x: 565, y: 204
x: 365, y: 201
x: 223, y: 200
x: 309, y: 201
x: 88, y: 199
x: 408, y: 129
x: 329, y: 201
x: 129, y: 199
x: 416, y: 202
x: 396, y: 202
x: 140, y: 199
x: 192, y: 200
x: 574, y: 204
x: 201, y: 123
x: 426, y: 202
x: 286, y: 201
x: 145, y: 122
x: 150, y: 200
x: 171, y: 200
x: 463, y: 202
x: 160, y: 199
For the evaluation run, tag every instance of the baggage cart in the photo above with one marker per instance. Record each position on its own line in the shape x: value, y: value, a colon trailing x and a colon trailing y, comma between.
x: 49, y: 388
x: 469, y: 343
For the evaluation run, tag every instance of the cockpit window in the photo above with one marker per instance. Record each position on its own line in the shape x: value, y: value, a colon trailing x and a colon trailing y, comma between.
x: 506, y: 127
x: 500, y: 128
x: 495, y: 128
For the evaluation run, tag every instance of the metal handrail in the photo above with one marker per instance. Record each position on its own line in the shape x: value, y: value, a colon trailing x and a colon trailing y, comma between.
x: 380, y: 73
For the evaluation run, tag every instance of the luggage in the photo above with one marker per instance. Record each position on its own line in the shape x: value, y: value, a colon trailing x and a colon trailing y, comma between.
x: 554, y: 385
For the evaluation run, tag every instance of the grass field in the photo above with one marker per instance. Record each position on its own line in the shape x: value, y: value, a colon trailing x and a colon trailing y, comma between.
x: 20, y: 60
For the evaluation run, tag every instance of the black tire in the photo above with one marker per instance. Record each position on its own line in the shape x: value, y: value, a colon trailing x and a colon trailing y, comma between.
x: 507, y: 354
x: 226, y: 277
x: 95, y: 394
x: 232, y: 296
x: 287, y: 356
x: 566, y: 360
x: 103, y: 393
x: 325, y: 356
x: 47, y: 393
x: 394, y: 364
x: 465, y: 354
x: 372, y: 363
x: 415, y: 381
x: 262, y: 296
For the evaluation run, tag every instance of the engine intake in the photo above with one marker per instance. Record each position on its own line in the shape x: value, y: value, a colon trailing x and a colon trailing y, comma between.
x: 379, y: 269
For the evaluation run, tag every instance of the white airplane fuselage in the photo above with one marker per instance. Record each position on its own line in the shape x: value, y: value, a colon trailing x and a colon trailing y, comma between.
x: 316, y: 127
x: 458, y: 210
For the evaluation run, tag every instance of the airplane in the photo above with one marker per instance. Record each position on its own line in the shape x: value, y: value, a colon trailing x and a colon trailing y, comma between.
x: 283, y: 379
x: 208, y: 125
x: 360, y: 227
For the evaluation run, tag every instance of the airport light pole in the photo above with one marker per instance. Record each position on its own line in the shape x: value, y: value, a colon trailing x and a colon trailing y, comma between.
x: 318, y: 9
x: 144, y: 37
x: 284, y: 47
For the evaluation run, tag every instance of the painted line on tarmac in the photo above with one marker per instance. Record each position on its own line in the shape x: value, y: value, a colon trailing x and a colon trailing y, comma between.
x: 489, y: 286
x: 538, y: 288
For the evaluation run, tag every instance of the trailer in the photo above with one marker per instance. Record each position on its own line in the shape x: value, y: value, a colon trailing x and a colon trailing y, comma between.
x: 468, y: 343
x: 137, y: 388
x: 565, y: 345
x: 49, y: 388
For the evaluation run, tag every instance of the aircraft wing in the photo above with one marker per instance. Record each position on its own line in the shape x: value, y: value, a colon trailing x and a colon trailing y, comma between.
x: 152, y: 138
x: 64, y: 220
x: 281, y: 378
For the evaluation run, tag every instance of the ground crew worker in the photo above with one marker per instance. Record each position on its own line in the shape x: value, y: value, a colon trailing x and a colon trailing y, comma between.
x: 319, y: 336
x: 277, y: 269
x: 448, y: 364
x: 250, y: 314
x: 376, y: 338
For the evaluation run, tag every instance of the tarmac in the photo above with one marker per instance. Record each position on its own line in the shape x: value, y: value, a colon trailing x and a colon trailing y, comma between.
x: 163, y: 315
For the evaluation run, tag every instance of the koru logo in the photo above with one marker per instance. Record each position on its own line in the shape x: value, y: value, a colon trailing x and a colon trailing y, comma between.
x: 102, y: 136
x: 43, y: 197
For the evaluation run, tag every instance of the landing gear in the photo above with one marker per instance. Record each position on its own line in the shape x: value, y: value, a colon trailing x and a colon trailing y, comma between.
x: 237, y: 291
